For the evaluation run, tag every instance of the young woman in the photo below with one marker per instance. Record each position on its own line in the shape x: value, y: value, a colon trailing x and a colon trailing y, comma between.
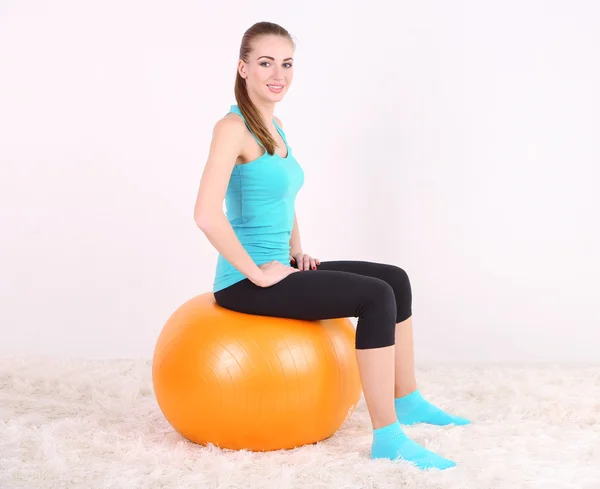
x: 262, y: 268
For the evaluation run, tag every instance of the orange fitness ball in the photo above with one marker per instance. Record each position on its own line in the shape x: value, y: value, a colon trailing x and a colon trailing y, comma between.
x: 243, y: 381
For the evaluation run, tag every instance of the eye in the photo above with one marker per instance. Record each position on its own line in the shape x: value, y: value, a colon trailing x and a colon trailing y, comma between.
x: 287, y: 65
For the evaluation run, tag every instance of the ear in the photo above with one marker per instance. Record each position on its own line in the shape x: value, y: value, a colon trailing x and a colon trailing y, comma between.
x: 242, y: 69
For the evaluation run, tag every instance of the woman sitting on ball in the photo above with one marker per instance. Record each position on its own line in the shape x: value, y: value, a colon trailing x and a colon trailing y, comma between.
x: 263, y: 270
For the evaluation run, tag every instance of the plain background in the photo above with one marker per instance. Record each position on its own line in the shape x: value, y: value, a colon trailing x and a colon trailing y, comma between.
x: 457, y: 140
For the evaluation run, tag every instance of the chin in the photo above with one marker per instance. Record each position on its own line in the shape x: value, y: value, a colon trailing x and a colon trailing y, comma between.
x: 273, y: 98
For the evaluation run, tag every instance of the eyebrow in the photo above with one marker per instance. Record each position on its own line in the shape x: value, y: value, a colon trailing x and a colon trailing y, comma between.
x: 273, y: 59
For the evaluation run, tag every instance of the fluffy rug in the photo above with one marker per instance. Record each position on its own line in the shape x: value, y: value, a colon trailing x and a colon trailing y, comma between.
x: 95, y: 424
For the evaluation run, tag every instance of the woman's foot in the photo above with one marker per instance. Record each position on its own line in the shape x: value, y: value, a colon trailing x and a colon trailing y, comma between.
x: 413, y: 408
x: 392, y: 443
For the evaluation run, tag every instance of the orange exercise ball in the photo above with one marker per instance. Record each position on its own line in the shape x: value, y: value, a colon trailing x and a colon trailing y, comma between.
x: 243, y: 381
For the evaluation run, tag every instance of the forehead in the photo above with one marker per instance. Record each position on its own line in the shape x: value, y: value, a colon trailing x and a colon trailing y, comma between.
x: 277, y: 46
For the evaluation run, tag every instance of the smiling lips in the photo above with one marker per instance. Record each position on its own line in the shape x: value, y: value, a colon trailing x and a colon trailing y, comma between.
x: 275, y: 88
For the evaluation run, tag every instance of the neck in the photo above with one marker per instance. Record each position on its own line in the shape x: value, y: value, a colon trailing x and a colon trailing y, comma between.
x: 266, y: 110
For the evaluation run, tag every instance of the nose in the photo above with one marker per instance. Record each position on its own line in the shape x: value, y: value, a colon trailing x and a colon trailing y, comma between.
x: 277, y: 73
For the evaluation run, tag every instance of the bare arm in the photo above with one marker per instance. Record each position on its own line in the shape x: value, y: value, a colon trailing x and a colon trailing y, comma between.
x: 226, y: 146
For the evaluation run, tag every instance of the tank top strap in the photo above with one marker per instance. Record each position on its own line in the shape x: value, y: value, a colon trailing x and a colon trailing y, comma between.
x: 280, y: 131
x: 236, y: 110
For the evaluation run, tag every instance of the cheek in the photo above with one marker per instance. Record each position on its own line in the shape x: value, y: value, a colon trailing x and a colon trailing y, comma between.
x: 257, y: 76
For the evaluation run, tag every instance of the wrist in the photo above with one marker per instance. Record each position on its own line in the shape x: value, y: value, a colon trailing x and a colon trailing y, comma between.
x: 257, y: 276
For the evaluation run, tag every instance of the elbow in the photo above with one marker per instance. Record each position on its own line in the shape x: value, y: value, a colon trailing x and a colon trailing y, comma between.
x: 203, y: 221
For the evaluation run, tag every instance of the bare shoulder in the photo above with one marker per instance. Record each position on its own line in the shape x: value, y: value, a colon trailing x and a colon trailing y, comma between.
x: 229, y: 125
x: 228, y: 138
x: 278, y: 120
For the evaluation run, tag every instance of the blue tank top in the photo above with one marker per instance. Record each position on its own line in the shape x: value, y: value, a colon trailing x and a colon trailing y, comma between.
x: 260, y: 203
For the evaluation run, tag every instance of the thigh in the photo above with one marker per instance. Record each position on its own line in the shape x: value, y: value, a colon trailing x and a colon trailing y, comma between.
x: 391, y: 274
x: 309, y: 294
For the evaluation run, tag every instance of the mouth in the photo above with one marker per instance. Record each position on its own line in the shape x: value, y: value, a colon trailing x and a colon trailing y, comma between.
x: 276, y: 88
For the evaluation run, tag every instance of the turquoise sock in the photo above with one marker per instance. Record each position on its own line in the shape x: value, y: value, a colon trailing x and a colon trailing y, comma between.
x: 391, y: 442
x: 412, y: 409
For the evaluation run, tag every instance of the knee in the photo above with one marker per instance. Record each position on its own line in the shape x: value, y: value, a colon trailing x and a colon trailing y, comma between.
x: 377, y: 316
x: 383, y: 296
x: 398, y: 279
x: 400, y: 283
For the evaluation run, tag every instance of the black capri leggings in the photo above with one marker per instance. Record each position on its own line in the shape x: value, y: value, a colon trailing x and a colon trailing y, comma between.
x: 378, y: 294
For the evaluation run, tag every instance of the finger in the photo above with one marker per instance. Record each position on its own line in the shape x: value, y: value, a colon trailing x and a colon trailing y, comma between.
x: 313, y: 264
x: 300, y: 263
x: 306, y: 262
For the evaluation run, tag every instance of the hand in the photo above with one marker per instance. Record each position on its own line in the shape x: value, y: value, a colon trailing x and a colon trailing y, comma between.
x: 305, y: 262
x: 274, y: 272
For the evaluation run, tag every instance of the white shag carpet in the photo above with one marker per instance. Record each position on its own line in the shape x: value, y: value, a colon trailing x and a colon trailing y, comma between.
x: 95, y: 424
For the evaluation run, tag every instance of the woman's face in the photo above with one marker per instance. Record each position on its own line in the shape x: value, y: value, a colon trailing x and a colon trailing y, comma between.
x: 269, y: 70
